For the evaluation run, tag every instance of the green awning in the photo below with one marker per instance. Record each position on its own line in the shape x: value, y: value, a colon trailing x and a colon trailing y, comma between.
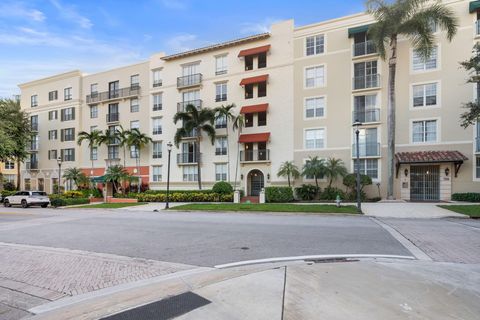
x: 474, y: 6
x: 360, y: 29
x: 100, y: 179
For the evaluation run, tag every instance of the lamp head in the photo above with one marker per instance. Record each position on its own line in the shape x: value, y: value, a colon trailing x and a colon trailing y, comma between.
x: 169, y: 146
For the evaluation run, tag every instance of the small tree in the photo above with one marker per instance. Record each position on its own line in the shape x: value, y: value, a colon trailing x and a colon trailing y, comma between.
x: 116, y: 174
x: 334, y: 168
x: 472, y: 66
x: 75, y: 175
x: 92, y: 139
x: 350, y: 181
x: 288, y: 169
x: 138, y: 140
x: 314, y: 167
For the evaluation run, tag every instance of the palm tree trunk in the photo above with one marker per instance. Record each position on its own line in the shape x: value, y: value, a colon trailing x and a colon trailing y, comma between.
x: 288, y: 177
x: 197, y: 155
x: 228, y: 152
x: 139, y: 183
x: 18, y: 174
x: 392, y: 65
x: 236, y: 165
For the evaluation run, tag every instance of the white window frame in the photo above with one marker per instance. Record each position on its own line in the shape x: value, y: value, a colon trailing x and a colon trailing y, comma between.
x: 324, y: 97
x: 157, y: 176
x: 305, y: 130
x: 424, y: 69
x: 222, y: 174
x: 94, y: 112
x: 188, y: 176
x: 425, y: 83
x: 94, y: 153
x: 159, y: 97
x: 322, y: 85
x: 315, y: 53
x: 437, y: 133
x: 134, y: 107
x: 154, y: 120
x: 157, y: 154
x: 221, y: 88
x: 379, y: 164
x: 67, y: 93
x: 223, y: 68
x: 221, y: 143
x: 135, y: 124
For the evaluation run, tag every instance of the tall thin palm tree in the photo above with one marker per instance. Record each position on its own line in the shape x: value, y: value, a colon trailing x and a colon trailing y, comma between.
x: 92, y: 139
x: 288, y: 169
x: 196, y: 121
x: 226, y: 112
x: 334, y: 168
x: 314, y: 167
x: 123, y: 143
x: 139, y: 140
x: 237, y: 124
x: 412, y: 19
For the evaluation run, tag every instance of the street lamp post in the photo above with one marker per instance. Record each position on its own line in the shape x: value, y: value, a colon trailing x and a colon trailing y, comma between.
x: 169, y: 148
x: 357, y: 125
x: 59, y: 162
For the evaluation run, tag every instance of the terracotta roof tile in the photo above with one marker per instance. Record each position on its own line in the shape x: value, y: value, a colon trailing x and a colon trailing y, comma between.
x: 430, y: 156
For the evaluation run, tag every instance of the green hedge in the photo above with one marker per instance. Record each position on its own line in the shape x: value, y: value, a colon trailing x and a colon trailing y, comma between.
x: 207, y: 191
x: 7, y: 193
x: 278, y: 194
x: 185, y: 197
x: 468, y: 196
x: 59, y: 201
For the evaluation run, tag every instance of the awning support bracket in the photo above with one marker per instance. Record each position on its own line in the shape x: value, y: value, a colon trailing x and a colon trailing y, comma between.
x: 457, y: 167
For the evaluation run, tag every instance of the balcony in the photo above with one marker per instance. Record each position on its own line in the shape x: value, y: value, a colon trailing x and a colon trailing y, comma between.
x: 477, y: 149
x: 189, y: 81
x: 255, y: 155
x: 221, y: 97
x: 220, y: 151
x: 187, y: 158
x: 181, y: 106
x: 366, y: 82
x: 366, y: 150
x: 366, y: 116
x: 34, y: 127
x: 364, y: 48
x: 32, y: 165
x: 477, y: 27
x: 33, y: 147
x: 157, y: 83
x: 157, y: 130
x: 191, y: 134
x: 157, y: 106
x: 113, y: 117
x: 129, y: 92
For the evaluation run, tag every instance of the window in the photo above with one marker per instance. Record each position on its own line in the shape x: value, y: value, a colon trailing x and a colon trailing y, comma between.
x: 67, y: 114
x: 221, y: 92
x: 133, y: 152
x: 249, y: 91
x: 262, y: 89
x: 221, y: 122
x: 420, y: 64
x: 262, y: 118
x: 315, y: 107
x: 315, y: 77
x: 432, y: 25
x: 67, y: 134
x: 52, y: 135
x: 53, y: 115
x: 157, y: 125
x: 368, y: 143
x: 68, y: 154
x: 157, y: 149
x: 221, y: 65
x: 365, y: 75
x: 93, y: 128
x: 67, y: 94
x: 221, y: 146
x: 425, y: 95
x: 478, y: 167
x: 315, y: 139
x: 157, y: 102
x: 424, y: 131
x: 368, y: 167
x: 26, y: 183
x: 134, y: 106
x: 249, y: 120
x: 34, y: 100
x: 190, y: 173
x: 314, y: 45
x: 9, y: 165
x: 9, y: 178
x: 53, y: 95
x: 135, y: 81
x: 93, y: 112
x: 248, y: 63
x: 113, y: 152
x: 157, y: 78
x: 221, y: 172
x: 157, y: 173
x: 94, y: 153
x: 262, y: 60
x: 365, y: 108
x: 94, y: 89
x: 135, y: 124
x: 34, y: 123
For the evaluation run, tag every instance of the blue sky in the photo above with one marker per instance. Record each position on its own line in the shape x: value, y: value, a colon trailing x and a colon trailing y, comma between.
x: 39, y: 38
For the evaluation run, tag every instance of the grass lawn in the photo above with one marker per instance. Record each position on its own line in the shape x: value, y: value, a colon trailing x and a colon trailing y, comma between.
x: 267, y: 207
x: 469, y: 210
x: 110, y: 205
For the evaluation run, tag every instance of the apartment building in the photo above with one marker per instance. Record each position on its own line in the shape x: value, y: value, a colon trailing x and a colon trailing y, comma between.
x: 300, y: 90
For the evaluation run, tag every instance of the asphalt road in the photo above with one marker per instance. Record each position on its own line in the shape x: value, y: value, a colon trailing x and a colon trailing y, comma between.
x: 203, y: 239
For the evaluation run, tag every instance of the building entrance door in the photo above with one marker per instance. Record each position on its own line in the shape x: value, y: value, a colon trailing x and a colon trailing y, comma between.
x: 256, y: 182
x: 425, y: 183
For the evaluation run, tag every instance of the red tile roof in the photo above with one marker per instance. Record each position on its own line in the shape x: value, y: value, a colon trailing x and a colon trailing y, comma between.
x: 254, y: 137
x: 256, y: 79
x: 430, y: 156
x: 252, y: 51
x: 254, y: 108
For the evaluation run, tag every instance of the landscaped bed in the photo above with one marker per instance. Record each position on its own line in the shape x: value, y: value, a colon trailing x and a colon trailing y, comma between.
x: 470, y: 210
x: 267, y: 207
x: 111, y: 205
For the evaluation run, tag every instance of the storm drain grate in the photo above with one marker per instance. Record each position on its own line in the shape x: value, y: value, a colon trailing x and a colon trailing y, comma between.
x: 168, y: 308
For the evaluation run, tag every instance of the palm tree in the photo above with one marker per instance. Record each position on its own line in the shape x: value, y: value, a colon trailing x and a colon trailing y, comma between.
x: 92, y: 138
x: 288, y: 169
x: 411, y: 19
x: 116, y: 174
x: 74, y: 174
x: 226, y: 112
x: 137, y: 139
x: 314, y: 167
x: 333, y: 169
x: 238, y: 124
x: 123, y: 135
x: 196, y: 122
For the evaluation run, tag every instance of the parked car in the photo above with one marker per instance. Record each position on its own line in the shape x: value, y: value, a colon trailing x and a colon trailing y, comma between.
x: 27, y: 198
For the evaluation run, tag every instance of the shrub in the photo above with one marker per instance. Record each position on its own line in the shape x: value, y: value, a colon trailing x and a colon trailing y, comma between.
x: 350, y: 180
x: 222, y: 187
x: 278, y: 194
x: 330, y: 193
x: 96, y: 193
x: 176, y: 191
x: 72, y: 194
x: 467, y: 196
x: 60, y: 201
x: 306, y: 192
x: 374, y: 199
x: 9, y: 186
x: 6, y: 193
x: 184, y: 197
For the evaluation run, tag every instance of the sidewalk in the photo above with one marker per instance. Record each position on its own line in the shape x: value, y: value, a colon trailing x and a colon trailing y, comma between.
x: 407, y: 210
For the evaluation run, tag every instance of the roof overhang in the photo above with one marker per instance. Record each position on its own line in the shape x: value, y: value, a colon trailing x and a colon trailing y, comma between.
x: 253, y: 80
x: 254, y: 137
x: 254, y: 108
x: 254, y: 51
x: 360, y: 29
x: 474, y: 6
x: 426, y: 157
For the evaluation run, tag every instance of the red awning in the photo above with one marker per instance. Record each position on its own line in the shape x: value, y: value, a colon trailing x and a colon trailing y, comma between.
x: 254, y: 137
x: 253, y: 80
x: 255, y: 108
x: 252, y: 51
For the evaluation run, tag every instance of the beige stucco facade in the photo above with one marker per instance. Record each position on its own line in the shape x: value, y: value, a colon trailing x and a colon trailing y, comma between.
x: 332, y: 93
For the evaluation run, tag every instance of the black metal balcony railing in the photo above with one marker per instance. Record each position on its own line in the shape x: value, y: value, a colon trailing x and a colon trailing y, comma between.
x: 477, y: 27
x: 189, y: 81
x: 221, y: 97
x: 366, y: 116
x: 157, y: 83
x: 34, y: 126
x: 220, y: 125
x: 113, y: 117
x: 220, y: 151
x: 364, y: 48
x: 181, y: 106
x: 366, y: 150
x: 477, y: 149
x: 255, y: 155
x: 97, y: 97
x: 31, y: 165
x: 188, y: 157
x: 33, y: 146
x: 157, y: 106
x: 157, y: 130
x: 365, y: 82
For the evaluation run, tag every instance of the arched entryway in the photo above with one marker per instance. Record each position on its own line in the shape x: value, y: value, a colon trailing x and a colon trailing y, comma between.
x: 255, y: 182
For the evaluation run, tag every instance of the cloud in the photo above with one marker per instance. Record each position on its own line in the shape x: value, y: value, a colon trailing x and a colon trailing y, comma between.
x: 181, y: 42
x: 70, y: 14
x: 174, y: 4
x: 18, y: 10
x: 257, y: 27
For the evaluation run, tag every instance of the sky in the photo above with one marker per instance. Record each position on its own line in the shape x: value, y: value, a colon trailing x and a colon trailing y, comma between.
x: 39, y: 38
